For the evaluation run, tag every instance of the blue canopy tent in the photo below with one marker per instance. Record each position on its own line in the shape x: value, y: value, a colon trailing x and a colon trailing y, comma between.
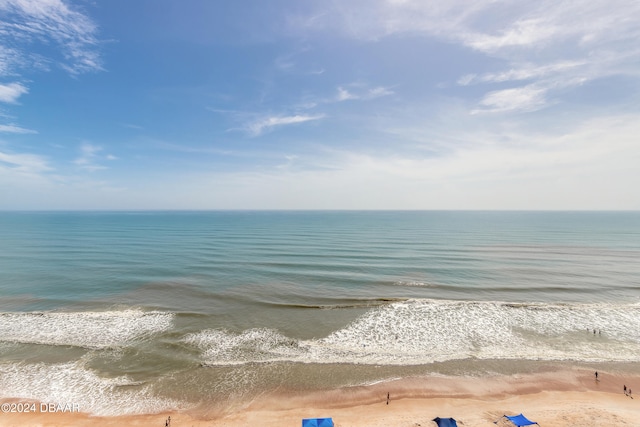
x: 445, y: 422
x: 317, y: 422
x: 520, y: 420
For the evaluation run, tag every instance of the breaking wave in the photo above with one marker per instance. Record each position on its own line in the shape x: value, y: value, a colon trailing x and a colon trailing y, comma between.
x: 92, y: 330
x: 427, y: 331
x: 72, y: 383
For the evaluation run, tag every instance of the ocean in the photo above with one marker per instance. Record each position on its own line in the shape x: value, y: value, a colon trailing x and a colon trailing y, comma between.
x: 141, y: 312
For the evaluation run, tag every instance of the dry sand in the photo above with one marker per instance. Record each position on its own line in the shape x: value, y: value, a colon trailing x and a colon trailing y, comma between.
x: 567, y: 398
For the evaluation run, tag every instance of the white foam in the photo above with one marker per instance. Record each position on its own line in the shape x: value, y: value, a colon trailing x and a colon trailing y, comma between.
x: 95, y: 330
x: 426, y: 331
x: 73, y: 384
x: 414, y: 284
x: 253, y: 345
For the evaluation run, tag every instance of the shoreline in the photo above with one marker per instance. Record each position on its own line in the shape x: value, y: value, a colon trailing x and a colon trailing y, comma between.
x: 568, y: 397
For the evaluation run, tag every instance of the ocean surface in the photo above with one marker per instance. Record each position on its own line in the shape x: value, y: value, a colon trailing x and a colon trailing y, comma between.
x: 138, y: 312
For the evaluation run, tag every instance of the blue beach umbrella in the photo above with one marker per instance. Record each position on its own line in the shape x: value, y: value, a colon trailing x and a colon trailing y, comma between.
x: 519, y: 420
x: 445, y: 422
x: 317, y: 422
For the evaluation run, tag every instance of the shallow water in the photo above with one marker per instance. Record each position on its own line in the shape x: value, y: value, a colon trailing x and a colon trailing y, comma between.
x: 138, y: 312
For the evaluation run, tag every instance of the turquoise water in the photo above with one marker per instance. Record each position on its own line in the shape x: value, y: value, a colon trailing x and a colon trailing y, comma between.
x: 141, y: 311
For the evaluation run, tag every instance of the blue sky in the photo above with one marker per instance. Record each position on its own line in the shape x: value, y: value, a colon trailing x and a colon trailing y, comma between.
x: 376, y: 104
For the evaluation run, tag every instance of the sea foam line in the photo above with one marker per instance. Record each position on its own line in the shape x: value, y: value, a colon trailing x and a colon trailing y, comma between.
x: 101, y: 329
x: 427, y: 331
x: 72, y: 383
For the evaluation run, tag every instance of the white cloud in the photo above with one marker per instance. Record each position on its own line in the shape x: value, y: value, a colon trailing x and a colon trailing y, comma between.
x: 356, y: 91
x: 486, y: 25
x: 15, y: 129
x: 58, y: 33
x: 89, y: 157
x: 262, y: 125
x: 29, y: 164
x: 518, y: 99
x: 11, y: 92
x: 344, y: 95
x: 379, y: 91
x: 361, y: 91
x: 553, y: 44
x: 592, y: 166
x: 467, y: 79
x: 522, y: 33
x: 33, y: 22
x: 525, y: 72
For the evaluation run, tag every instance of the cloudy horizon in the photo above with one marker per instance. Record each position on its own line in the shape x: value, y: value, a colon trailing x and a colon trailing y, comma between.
x: 383, y: 104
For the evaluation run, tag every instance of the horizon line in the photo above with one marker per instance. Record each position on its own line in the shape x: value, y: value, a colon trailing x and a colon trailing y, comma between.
x: 303, y: 210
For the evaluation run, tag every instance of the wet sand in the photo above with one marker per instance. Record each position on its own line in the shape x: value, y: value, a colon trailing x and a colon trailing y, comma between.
x: 572, y: 398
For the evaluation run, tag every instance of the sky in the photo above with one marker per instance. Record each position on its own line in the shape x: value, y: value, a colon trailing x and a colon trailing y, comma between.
x: 345, y: 104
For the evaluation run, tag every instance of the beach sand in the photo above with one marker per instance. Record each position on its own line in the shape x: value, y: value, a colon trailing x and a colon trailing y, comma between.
x: 553, y: 398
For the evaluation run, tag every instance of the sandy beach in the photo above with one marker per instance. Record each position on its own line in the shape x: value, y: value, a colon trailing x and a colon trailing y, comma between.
x: 551, y: 398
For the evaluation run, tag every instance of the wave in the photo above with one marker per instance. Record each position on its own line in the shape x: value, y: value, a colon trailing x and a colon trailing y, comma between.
x: 221, y: 347
x: 94, y: 329
x: 426, y: 331
x: 414, y: 284
x: 344, y: 304
x: 72, y: 383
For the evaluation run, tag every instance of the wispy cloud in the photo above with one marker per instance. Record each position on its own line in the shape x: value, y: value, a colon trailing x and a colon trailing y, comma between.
x: 11, y: 92
x: 485, y: 25
x: 28, y: 23
x: 90, y: 156
x: 265, y: 124
x: 555, y: 45
x: 524, y: 72
x: 30, y: 164
x: 488, y: 174
x: 527, y: 98
x: 521, y: 33
x: 15, y: 129
x: 344, y: 95
x: 361, y: 92
x: 547, y: 78
x: 379, y: 91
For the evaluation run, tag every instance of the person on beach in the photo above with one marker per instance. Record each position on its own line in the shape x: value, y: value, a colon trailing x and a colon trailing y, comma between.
x: 596, y: 375
x: 387, y: 398
x: 624, y: 388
